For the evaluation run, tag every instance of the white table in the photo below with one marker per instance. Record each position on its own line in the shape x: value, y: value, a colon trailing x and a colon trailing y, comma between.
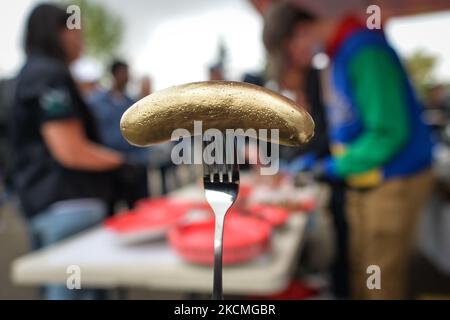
x: 106, y: 264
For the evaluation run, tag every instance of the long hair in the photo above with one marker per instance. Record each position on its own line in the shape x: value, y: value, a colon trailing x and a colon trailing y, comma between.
x: 42, y: 31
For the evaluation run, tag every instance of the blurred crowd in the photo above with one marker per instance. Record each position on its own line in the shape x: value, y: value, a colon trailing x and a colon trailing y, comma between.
x: 65, y: 160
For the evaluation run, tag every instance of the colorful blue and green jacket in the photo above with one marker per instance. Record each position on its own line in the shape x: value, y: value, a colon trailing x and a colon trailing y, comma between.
x: 374, y: 117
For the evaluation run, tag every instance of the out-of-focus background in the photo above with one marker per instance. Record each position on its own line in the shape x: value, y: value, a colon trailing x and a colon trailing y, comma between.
x: 175, y: 42
x: 161, y: 43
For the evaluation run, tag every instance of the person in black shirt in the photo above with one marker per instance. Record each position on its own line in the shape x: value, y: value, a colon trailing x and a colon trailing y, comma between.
x: 62, y: 176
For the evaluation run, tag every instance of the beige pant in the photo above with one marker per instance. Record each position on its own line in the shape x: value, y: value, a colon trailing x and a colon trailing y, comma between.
x: 382, y: 224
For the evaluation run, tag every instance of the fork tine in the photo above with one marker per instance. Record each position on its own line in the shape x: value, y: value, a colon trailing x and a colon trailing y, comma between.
x: 210, y: 168
x: 235, y: 165
x: 207, y: 169
x: 229, y: 166
x: 215, y: 172
x: 222, y: 166
x: 205, y: 166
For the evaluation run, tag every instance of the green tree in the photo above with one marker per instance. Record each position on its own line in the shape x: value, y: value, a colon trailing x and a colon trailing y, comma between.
x: 102, y: 29
x: 421, y: 66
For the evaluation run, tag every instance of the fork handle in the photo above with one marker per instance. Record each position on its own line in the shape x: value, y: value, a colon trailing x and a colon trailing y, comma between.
x: 218, y: 248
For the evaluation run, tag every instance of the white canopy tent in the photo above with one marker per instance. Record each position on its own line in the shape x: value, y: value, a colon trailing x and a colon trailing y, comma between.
x: 389, y: 8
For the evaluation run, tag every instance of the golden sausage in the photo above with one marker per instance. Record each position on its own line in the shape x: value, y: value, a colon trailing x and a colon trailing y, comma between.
x: 218, y: 104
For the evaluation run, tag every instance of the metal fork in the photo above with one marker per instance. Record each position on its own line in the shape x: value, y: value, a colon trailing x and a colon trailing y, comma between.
x: 221, y: 183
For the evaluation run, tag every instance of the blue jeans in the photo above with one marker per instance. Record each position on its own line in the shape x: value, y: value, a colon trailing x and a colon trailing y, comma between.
x: 60, y: 221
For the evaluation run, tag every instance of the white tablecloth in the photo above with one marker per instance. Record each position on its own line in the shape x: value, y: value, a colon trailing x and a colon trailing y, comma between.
x: 104, y: 263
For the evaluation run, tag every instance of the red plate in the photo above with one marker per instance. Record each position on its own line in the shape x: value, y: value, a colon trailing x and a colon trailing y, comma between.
x: 244, y: 239
x: 172, y: 203
x: 149, y: 215
x: 132, y: 221
x: 276, y: 216
x: 245, y: 189
x: 147, y: 204
x: 307, y: 205
x: 135, y: 227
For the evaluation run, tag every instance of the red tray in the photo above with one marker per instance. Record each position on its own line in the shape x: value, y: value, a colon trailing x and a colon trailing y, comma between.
x: 172, y: 203
x: 307, y: 205
x: 274, y: 215
x: 244, y: 238
x: 149, y: 215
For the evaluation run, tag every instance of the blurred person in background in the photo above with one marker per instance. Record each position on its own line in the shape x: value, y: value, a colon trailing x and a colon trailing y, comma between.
x: 380, y: 145
x: 108, y: 106
x: 259, y: 78
x: 7, y: 88
x: 302, y: 83
x: 62, y: 173
x: 303, y: 86
x: 87, y: 74
x: 437, y: 111
x: 262, y: 5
